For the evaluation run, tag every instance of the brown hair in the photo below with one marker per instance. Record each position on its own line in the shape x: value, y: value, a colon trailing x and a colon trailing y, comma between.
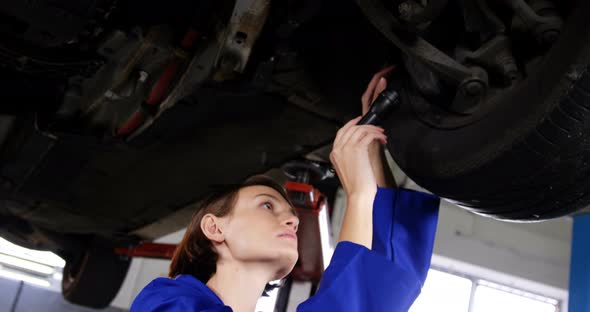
x: 195, y: 254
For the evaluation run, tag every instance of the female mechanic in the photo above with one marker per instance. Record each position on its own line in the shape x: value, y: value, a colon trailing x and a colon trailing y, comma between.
x: 244, y: 237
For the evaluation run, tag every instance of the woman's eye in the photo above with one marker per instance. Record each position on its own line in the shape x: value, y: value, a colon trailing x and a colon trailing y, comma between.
x: 267, y: 206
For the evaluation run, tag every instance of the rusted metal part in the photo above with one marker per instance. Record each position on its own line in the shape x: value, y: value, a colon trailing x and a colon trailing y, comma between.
x: 416, y: 47
x: 198, y: 70
x: 219, y: 56
x: 471, y: 81
x: 245, y: 25
x: 229, y: 49
x: 496, y: 55
x: 123, y: 77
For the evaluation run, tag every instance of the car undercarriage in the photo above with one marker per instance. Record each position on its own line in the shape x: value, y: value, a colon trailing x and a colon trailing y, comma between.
x: 118, y: 114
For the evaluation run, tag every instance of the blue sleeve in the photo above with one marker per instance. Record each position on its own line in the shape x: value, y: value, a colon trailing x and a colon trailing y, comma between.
x: 390, y: 275
x: 404, y: 227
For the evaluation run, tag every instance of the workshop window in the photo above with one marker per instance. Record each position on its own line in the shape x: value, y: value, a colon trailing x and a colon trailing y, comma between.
x: 449, y: 292
x: 444, y: 292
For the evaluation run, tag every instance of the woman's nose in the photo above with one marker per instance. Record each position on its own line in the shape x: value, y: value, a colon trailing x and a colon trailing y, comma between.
x: 292, y: 221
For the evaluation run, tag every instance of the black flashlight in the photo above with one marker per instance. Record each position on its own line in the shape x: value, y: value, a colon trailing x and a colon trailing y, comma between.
x: 385, y: 103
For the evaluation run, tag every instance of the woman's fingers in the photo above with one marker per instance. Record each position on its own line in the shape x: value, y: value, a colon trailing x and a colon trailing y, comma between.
x: 359, y: 134
x: 350, y: 158
x: 385, y: 71
x: 370, y: 137
x: 381, y: 86
x: 376, y: 77
x: 353, y: 134
x: 345, y: 128
x: 369, y: 96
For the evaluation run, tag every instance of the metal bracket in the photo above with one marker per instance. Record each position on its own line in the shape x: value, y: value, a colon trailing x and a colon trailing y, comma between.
x: 245, y: 25
x: 546, y: 28
x: 495, y: 55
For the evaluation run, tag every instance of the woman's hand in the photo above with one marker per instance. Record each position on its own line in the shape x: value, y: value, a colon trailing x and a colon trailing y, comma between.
x: 350, y: 158
x: 358, y: 158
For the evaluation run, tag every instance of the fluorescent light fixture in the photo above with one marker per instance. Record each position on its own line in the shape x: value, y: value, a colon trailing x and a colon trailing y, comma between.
x: 24, y: 278
x: 45, y: 257
x: 58, y: 276
x: 26, y: 264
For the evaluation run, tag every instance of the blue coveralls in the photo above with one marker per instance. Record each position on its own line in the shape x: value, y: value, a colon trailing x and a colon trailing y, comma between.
x: 388, y: 277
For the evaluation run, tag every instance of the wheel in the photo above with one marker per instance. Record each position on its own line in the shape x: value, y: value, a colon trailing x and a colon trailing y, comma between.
x: 94, y: 277
x: 526, y: 157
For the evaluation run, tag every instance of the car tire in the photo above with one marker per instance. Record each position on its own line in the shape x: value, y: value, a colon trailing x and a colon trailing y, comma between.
x: 94, y: 277
x: 527, y: 158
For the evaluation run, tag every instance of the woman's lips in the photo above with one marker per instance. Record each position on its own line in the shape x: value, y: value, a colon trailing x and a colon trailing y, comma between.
x: 289, y: 235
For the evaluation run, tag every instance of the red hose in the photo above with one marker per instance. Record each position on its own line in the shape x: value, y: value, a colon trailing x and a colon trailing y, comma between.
x: 190, y: 38
x: 161, y: 88
x: 134, y: 122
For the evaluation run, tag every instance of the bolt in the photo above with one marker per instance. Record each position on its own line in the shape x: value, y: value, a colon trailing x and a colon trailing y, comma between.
x: 550, y: 36
x: 409, y: 9
x: 109, y: 94
x: 143, y: 76
x: 240, y: 37
x: 512, y: 78
x: 509, y: 68
x: 474, y: 88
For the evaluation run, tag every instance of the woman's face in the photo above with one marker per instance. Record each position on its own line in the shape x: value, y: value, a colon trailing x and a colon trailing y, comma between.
x: 262, y: 228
